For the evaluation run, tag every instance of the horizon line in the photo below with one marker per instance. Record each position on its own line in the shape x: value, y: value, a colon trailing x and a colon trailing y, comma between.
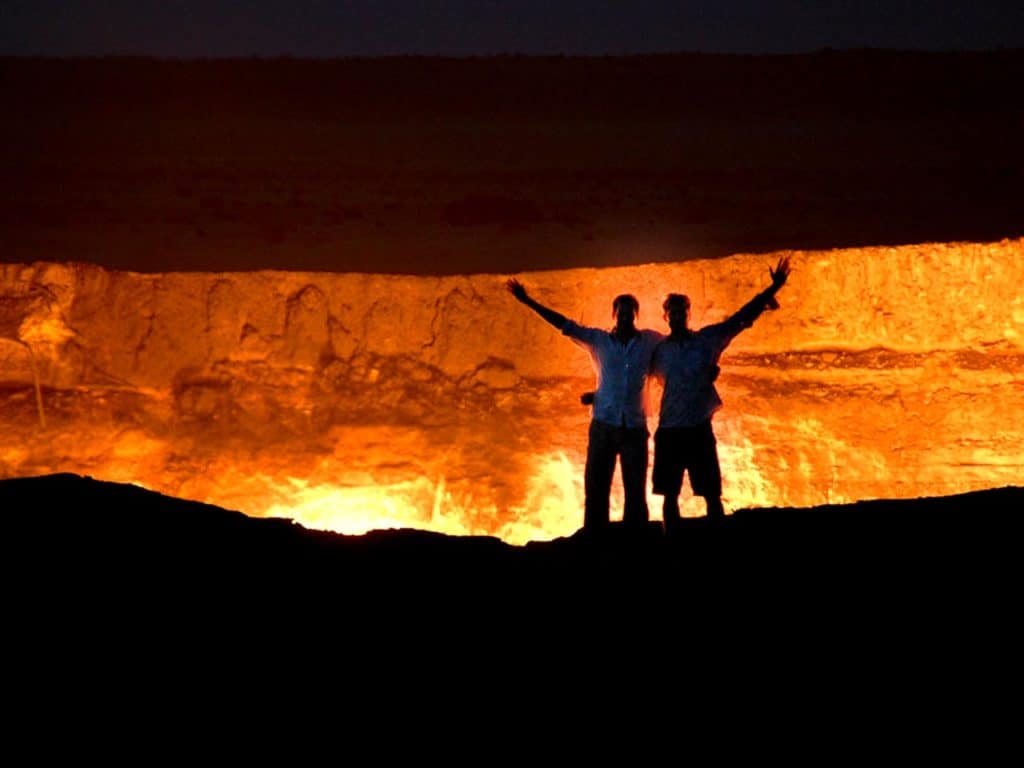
x: 281, y: 57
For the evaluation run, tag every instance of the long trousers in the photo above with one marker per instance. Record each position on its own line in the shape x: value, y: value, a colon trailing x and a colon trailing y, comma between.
x: 629, y: 444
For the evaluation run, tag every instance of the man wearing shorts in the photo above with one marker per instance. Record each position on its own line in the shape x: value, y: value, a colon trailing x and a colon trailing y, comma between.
x: 687, y: 363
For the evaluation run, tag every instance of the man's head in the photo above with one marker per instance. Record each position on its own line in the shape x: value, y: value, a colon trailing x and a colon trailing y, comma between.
x: 625, y: 308
x: 677, y: 311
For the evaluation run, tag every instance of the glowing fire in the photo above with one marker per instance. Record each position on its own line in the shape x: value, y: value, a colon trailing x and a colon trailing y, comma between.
x: 552, y: 505
x: 356, y: 402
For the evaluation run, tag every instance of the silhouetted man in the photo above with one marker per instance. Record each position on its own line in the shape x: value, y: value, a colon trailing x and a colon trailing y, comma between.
x: 618, y: 426
x: 687, y: 363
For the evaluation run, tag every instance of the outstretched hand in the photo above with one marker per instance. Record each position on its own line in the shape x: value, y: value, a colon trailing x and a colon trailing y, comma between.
x: 780, y: 273
x: 516, y: 289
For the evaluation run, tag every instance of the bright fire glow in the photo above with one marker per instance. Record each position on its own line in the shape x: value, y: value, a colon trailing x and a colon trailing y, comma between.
x: 357, y: 402
x: 551, y: 507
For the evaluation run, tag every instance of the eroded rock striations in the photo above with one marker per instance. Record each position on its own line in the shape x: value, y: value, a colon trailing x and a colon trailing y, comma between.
x: 355, y: 401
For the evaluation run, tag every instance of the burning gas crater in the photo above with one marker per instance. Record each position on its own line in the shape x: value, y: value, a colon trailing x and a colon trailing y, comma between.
x: 352, y: 402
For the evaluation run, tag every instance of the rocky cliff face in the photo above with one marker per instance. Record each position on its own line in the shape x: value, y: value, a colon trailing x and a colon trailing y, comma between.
x: 354, y: 401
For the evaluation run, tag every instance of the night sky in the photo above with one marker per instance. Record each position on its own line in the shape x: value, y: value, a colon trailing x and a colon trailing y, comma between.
x: 333, y: 28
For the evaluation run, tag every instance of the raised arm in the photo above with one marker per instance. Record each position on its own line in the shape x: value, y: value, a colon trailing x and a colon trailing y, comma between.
x: 516, y: 289
x: 764, y: 300
x: 779, y: 276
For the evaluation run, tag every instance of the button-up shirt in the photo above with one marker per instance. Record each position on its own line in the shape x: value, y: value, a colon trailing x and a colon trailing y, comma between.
x: 688, y: 367
x: 622, y: 370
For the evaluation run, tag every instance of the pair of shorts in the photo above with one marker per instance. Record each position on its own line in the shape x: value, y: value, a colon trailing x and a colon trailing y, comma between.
x: 678, y: 449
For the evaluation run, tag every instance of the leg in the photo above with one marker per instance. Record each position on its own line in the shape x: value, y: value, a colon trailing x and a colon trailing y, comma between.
x: 715, y: 509
x: 705, y: 473
x: 634, y: 476
x: 668, y: 475
x: 670, y: 513
x: 597, y: 478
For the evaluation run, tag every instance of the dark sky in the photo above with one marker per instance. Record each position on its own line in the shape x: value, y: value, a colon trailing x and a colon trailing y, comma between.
x: 325, y: 28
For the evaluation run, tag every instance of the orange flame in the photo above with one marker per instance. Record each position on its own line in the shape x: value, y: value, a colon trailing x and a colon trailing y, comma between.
x: 357, y: 402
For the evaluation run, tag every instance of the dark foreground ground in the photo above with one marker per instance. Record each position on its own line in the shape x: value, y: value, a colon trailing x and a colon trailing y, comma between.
x: 779, y: 617
x: 117, y: 550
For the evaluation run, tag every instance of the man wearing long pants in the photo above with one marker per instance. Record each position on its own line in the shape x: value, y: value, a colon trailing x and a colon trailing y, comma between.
x: 618, y: 427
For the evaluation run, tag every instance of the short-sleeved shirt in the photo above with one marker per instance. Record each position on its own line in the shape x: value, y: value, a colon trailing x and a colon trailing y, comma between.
x: 687, y: 368
x: 622, y: 371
